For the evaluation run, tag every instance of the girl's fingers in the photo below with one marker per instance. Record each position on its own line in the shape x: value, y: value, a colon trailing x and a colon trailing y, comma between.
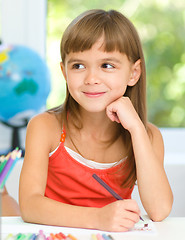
x: 131, y: 205
x: 112, y: 115
x: 127, y: 224
x: 123, y: 225
x: 131, y: 216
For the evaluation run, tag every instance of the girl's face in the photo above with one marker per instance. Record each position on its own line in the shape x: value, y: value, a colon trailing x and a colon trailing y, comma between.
x: 96, y: 78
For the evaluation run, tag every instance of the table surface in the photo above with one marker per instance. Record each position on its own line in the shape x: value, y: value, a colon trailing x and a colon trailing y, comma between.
x: 170, y: 228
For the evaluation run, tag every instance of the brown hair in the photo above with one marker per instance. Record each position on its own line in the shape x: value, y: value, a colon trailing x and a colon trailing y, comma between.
x: 119, y: 34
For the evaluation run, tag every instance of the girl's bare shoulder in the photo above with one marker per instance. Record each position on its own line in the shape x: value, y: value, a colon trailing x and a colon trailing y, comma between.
x: 46, y: 120
x: 153, y: 131
x: 47, y: 125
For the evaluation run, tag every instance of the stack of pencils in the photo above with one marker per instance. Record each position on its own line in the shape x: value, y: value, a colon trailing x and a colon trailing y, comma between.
x: 7, y: 163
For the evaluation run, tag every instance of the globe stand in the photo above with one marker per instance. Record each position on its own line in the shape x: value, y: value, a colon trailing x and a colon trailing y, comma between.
x: 15, y: 141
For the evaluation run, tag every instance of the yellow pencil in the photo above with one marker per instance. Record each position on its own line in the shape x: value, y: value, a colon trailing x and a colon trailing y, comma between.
x: 10, y: 237
x: 71, y: 237
x: 93, y: 237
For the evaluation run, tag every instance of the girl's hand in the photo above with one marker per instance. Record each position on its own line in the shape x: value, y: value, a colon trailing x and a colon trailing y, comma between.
x: 122, y: 111
x: 119, y: 216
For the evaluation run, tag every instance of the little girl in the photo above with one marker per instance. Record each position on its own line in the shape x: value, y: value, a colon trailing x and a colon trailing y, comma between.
x: 101, y: 128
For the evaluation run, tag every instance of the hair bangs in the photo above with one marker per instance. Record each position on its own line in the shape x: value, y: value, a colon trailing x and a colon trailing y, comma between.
x: 83, y: 33
x: 81, y: 40
x: 113, y: 40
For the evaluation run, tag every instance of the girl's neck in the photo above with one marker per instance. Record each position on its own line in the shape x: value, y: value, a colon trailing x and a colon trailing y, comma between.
x: 98, y: 125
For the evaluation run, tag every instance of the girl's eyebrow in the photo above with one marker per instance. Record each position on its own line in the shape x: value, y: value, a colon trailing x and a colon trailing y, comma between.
x: 112, y: 59
x: 72, y: 60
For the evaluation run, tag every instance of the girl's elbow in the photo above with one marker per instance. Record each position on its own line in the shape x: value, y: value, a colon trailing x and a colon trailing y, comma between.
x: 25, y: 210
x: 161, y: 213
x: 24, y: 216
x: 158, y: 216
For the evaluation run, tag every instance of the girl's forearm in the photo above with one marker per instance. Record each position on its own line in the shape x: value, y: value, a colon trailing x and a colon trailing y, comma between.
x: 9, y: 206
x: 42, y: 210
x: 153, y: 185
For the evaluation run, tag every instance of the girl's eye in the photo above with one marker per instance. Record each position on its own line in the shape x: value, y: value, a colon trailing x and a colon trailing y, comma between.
x: 78, y: 66
x: 107, y: 65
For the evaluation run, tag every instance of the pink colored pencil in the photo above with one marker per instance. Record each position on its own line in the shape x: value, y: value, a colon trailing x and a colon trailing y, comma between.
x: 99, y: 237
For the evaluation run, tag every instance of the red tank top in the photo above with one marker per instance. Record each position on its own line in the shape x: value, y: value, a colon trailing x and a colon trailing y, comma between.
x: 71, y: 182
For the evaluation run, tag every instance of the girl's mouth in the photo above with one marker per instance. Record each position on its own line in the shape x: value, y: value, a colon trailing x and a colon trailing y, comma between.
x: 94, y: 94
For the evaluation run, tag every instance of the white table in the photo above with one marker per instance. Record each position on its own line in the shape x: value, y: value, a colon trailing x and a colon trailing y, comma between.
x: 170, y: 228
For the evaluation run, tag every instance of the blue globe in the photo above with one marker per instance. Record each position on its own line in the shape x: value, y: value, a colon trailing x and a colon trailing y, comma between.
x: 24, y: 83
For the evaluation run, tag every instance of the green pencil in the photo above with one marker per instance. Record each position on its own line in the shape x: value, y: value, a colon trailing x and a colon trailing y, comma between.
x: 2, y: 165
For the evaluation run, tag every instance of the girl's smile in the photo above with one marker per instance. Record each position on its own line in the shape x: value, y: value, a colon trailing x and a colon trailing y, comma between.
x: 94, y: 94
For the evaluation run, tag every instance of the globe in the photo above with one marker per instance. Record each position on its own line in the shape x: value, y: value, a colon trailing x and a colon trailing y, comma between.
x: 24, y: 83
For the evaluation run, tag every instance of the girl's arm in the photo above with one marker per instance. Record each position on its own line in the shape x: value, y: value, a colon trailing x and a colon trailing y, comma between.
x: 35, y: 207
x: 9, y: 206
x: 153, y: 185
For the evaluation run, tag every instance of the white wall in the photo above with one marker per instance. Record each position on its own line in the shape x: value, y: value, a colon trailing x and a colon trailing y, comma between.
x: 24, y: 22
x: 21, y: 22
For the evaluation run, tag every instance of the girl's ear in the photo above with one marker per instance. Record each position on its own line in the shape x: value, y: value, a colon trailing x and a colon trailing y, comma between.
x: 63, y: 69
x: 135, y: 73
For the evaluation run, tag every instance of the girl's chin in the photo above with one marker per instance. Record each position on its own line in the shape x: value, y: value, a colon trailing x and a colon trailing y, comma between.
x: 94, y: 110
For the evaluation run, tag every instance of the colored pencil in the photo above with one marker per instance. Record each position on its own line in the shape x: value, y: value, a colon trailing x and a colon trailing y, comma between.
x: 41, y: 236
x: 99, y: 236
x: 109, y: 189
x: 18, y: 156
x: 111, y: 238
x: 33, y: 236
x: 71, y: 237
x: 94, y: 237
x: 10, y: 237
x: 2, y: 165
x: 106, y: 237
x: 7, y: 166
x: 62, y: 235
x: 28, y: 236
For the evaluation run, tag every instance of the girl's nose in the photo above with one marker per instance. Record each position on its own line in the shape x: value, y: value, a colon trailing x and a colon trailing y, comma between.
x: 91, y: 78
